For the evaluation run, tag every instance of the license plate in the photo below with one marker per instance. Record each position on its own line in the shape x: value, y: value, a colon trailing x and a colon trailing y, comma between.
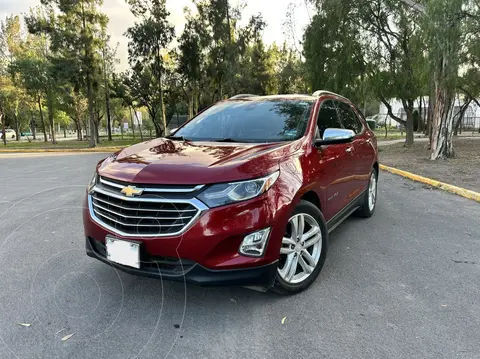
x: 123, y: 252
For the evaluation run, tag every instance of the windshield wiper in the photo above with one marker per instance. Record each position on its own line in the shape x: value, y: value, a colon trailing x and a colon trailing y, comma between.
x: 176, y: 138
x: 227, y: 140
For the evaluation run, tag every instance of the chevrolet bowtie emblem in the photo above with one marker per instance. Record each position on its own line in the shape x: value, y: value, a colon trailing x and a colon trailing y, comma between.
x: 132, y: 191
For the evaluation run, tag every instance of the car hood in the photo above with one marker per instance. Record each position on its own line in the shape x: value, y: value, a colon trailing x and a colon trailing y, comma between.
x: 162, y: 161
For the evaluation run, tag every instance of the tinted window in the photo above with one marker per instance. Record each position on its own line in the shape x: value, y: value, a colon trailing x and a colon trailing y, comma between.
x: 349, y: 118
x: 250, y: 121
x: 328, y: 117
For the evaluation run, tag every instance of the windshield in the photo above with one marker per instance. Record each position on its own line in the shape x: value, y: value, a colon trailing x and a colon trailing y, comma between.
x: 250, y: 121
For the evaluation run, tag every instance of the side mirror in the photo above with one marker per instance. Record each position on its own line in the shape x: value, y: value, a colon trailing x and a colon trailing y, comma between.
x: 335, y: 136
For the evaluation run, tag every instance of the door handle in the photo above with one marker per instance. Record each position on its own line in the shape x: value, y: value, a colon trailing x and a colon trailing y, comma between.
x: 349, y: 150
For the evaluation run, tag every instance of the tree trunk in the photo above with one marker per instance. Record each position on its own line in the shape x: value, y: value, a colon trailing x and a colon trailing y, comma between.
x: 190, y: 106
x: 78, y: 128
x: 133, y: 123
x: 93, y: 139
x: 386, y: 126
x: 196, y: 101
x: 139, y: 125
x: 420, y: 116
x: 33, y: 128
x: 442, y: 124
x: 45, y: 138
x: 97, y: 134
x: 51, y: 119
x: 461, y: 115
x: 2, y: 119
x: 409, y: 126
x: 429, y: 127
x: 162, y: 104
x: 107, y: 103
x: 17, y: 128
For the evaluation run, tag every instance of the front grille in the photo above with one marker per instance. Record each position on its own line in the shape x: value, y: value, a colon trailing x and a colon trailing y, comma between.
x: 143, y: 216
x: 166, y: 190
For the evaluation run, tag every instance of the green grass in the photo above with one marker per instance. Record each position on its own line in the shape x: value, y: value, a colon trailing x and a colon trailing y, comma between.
x: 70, y: 144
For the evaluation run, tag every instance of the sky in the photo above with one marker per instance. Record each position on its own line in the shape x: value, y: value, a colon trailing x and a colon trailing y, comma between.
x: 273, y: 11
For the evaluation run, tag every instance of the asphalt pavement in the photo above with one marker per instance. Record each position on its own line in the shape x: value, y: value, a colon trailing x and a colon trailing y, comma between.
x: 403, y: 284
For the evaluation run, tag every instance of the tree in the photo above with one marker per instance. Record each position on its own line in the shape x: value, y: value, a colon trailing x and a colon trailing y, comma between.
x: 365, y: 48
x: 190, y: 62
x: 446, y: 34
x: 109, y: 59
x: 10, y: 44
x: 76, y: 36
x: 63, y: 120
x: 333, y: 50
x: 75, y: 105
x: 35, y: 72
x: 148, y: 41
x: 38, y: 58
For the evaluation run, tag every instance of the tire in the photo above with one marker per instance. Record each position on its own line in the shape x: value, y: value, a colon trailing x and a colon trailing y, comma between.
x: 305, y: 273
x: 366, y: 210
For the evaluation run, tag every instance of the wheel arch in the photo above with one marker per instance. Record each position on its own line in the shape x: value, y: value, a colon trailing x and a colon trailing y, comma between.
x: 312, y: 197
x: 376, y: 166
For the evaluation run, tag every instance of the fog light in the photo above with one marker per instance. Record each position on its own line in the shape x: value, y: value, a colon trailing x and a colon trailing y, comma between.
x: 254, y: 244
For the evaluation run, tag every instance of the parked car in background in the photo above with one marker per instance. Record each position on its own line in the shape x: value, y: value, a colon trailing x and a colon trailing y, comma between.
x: 246, y: 193
x: 9, y: 134
x: 373, y: 121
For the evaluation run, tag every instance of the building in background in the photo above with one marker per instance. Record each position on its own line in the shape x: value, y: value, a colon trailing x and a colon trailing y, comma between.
x: 471, y: 120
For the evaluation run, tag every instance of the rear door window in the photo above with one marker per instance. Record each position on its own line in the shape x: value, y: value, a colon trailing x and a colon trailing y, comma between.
x: 349, y: 118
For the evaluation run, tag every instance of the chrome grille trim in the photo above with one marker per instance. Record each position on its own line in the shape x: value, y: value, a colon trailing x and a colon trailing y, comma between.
x: 154, y: 190
x: 143, y: 209
x: 137, y: 217
x: 134, y: 225
x: 97, y: 216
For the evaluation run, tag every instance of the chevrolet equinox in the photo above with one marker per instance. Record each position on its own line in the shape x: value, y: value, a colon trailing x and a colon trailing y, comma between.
x: 246, y: 193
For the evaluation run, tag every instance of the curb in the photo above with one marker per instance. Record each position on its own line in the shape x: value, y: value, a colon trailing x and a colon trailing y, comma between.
x: 434, y: 183
x: 68, y: 150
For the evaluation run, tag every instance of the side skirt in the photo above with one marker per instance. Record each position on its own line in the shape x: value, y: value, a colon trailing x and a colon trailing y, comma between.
x: 345, y: 213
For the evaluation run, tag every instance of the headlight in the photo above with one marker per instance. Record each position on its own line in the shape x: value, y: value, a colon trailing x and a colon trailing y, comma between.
x: 226, y: 193
x: 93, y: 181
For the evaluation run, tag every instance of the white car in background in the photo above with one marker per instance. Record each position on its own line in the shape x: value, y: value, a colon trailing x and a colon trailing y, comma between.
x: 9, y: 134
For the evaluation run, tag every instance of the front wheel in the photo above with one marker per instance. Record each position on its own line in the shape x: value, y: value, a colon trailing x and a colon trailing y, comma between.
x: 303, y: 251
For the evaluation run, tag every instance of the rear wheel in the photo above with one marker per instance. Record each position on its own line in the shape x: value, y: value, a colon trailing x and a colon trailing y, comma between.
x: 303, y: 251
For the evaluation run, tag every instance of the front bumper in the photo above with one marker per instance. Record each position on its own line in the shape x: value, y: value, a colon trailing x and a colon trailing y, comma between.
x: 173, y: 269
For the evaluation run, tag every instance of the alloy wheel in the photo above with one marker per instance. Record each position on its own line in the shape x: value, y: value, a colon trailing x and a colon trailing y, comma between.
x: 372, y: 192
x: 301, y: 249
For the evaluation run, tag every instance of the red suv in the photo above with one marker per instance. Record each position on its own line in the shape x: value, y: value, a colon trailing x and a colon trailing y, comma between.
x: 245, y: 193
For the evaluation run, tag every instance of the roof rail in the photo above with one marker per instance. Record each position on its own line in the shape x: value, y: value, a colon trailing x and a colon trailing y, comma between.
x: 242, y: 96
x: 324, y: 92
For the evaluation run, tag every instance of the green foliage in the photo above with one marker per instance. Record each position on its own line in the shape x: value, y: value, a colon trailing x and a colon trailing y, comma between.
x: 148, y: 41
x: 74, y: 29
x: 333, y: 49
x: 367, y: 50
